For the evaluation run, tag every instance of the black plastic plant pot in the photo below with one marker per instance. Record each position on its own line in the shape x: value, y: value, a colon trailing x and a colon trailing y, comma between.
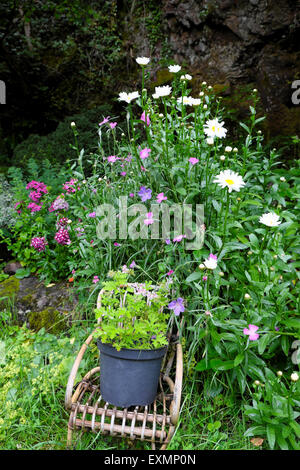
x: 129, y: 377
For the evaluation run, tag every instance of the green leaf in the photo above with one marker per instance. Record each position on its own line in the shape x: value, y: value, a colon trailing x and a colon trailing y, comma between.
x: 194, y: 276
x: 202, y: 365
x: 255, y: 431
x: 293, y: 322
x: 282, y: 443
x: 239, y: 358
x: 217, y: 364
x: 263, y: 342
x: 181, y: 191
x: 296, y: 428
x: 271, y: 435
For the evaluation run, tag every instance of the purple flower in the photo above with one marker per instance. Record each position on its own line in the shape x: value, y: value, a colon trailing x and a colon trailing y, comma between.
x: 251, y: 332
x: 131, y: 195
x: 145, y: 193
x: 92, y: 215
x: 123, y: 173
x: 59, y: 204
x: 169, y: 273
x: 116, y: 244
x: 112, y: 125
x: 193, y: 160
x: 168, y: 241
x: 177, y: 306
x: 132, y: 265
x: 96, y: 279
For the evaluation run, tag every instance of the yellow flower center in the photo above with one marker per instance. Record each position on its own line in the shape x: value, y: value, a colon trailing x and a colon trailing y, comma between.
x: 213, y: 128
x: 230, y: 182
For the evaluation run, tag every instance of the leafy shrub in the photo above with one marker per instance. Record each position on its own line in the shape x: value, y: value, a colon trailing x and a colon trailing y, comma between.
x: 275, y: 410
x: 55, y: 146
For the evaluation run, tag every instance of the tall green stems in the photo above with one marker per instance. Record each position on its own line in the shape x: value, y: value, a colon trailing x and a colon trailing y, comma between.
x: 226, y: 216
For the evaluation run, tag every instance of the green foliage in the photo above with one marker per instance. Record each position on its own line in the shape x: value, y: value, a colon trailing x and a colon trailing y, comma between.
x: 136, y: 320
x: 275, y: 411
x: 33, y: 376
x: 55, y: 147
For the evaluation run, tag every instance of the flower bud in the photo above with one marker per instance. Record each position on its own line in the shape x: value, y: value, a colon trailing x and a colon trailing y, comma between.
x: 247, y: 296
x: 279, y: 373
x: 294, y: 377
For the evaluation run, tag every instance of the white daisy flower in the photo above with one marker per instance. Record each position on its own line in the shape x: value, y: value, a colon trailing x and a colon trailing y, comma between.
x: 196, y: 101
x: 229, y: 179
x: 185, y: 100
x: 228, y: 148
x: 142, y: 60
x: 270, y: 219
x: 214, y: 128
x: 186, y: 77
x: 128, y: 97
x: 174, y: 68
x: 210, y: 140
x: 211, y: 262
x: 162, y: 91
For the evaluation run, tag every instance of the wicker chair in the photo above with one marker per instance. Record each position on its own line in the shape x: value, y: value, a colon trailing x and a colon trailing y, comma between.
x: 155, y: 423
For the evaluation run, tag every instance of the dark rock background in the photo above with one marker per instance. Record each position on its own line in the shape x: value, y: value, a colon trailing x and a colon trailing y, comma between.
x: 60, y: 58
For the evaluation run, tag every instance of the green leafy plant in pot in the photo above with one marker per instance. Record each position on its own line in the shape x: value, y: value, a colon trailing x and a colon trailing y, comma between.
x: 132, y: 338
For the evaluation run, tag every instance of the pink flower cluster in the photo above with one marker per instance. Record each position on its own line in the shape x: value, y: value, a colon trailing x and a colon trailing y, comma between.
x: 39, y: 243
x: 62, y: 237
x: 34, y: 207
x: 40, y: 189
x: 63, y: 222
x: 70, y: 186
x: 18, y: 206
x: 60, y: 204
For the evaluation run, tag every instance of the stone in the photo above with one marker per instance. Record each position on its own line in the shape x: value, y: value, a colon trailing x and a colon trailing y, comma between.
x: 12, y: 267
x: 34, y: 303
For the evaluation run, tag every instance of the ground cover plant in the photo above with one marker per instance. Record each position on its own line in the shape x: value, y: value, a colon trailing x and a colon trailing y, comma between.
x: 237, y: 295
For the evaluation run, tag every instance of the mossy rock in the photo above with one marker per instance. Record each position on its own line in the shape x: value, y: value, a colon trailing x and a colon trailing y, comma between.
x: 49, y: 318
x: 163, y: 77
x: 9, y: 289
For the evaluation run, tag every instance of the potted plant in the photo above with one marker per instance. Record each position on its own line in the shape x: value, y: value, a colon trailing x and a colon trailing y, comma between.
x: 132, y: 339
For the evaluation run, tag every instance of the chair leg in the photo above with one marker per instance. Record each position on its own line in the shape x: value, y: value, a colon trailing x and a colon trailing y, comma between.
x: 69, y: 437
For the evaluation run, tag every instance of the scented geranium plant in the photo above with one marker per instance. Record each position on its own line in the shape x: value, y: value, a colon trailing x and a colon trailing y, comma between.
x: 134, y: 315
